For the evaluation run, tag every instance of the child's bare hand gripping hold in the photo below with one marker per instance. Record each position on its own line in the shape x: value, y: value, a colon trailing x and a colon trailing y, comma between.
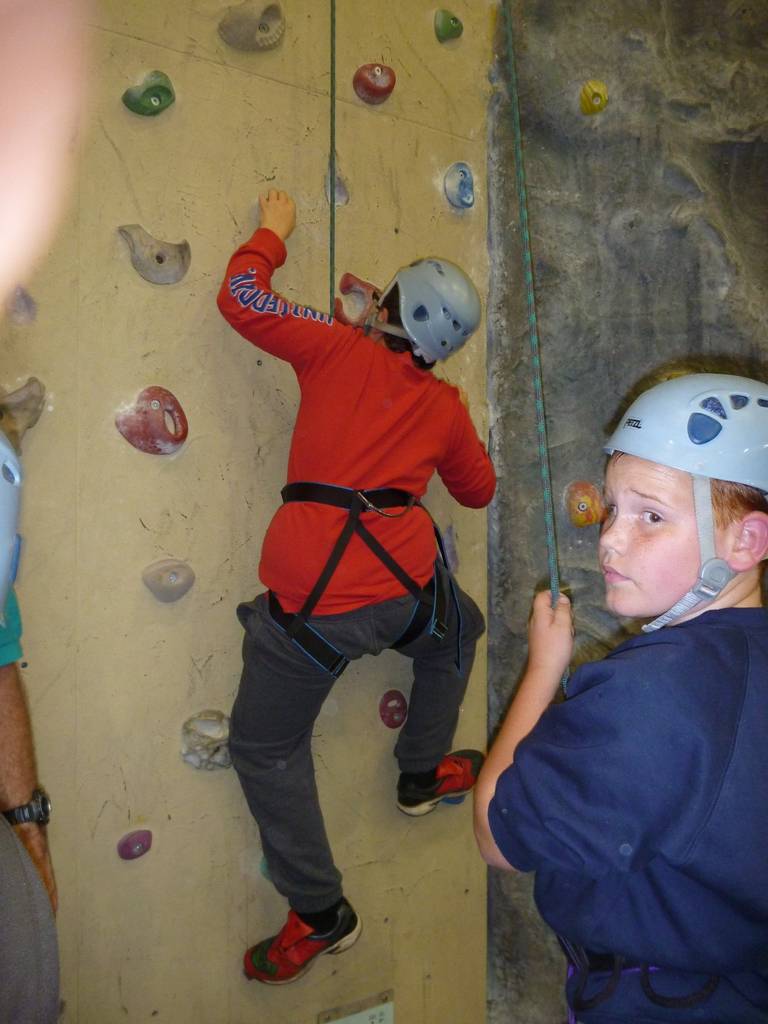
x: 278, y: 212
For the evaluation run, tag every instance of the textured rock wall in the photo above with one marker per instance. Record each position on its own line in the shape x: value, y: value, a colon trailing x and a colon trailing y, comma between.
x: 648, y: 224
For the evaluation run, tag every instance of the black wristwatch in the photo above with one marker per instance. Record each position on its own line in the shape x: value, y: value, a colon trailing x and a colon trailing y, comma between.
x: 38, y: 810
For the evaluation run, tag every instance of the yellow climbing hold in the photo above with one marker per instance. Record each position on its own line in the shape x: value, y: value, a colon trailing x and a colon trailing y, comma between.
x: 593, y: 97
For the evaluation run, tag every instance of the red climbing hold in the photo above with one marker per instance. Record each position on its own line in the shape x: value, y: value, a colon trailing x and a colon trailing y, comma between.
x: 373, y: 82
x: 155, y: 423
x: 393, y: 709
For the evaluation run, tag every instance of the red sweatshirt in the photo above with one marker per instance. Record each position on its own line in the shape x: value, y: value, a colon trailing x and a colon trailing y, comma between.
x: 368, y: 417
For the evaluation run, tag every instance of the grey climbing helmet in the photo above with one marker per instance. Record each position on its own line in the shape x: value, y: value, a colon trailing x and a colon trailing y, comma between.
x: 439, y: 307
x: 715, y: 427
x: 708, y: 424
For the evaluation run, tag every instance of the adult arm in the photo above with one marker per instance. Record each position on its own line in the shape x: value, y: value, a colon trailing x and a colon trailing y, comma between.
x: 18, y: 771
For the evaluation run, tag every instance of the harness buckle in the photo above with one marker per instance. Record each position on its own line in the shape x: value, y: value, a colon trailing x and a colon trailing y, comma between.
x: 370, y: 507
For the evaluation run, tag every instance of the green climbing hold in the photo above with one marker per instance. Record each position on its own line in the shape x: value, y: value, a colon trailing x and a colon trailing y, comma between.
x: 447, y: 25
x: 154, y: 95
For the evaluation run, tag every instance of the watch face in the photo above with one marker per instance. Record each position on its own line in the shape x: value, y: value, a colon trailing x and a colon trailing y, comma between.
x: 41, y: 807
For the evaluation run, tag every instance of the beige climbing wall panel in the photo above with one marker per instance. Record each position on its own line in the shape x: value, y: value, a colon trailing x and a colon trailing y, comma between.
x: 113, y: 672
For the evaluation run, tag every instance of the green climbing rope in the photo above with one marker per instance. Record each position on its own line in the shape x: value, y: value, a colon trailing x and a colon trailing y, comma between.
x: 533, y: 327
x: 332, y: 166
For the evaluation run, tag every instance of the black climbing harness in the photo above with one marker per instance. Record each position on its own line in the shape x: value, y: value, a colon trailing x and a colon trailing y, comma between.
x: 583, y: 962
x: 431, y: 604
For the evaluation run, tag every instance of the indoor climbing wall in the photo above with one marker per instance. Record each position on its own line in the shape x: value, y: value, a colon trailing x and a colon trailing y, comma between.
x: 644, y: 135
x: 156, y: 463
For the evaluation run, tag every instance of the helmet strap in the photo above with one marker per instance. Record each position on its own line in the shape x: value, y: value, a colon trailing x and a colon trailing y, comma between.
x: 714, y: 572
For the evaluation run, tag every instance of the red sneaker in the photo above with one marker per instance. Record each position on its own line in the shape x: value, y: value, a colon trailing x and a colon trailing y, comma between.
x: 454, y: 778
x: 289, y: 954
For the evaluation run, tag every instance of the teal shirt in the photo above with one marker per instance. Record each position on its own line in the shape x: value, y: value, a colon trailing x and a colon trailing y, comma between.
x: 10, y: 633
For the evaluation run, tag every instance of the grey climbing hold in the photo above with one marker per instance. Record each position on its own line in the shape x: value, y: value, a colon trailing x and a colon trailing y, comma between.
x: 21, y: 307
x: 253, y: 26
x: 204, y: 740
x: 459, y: 186
x: 21, y: 410
x: 340, y: 190
x: 157, y: 261
x: 168, y: 579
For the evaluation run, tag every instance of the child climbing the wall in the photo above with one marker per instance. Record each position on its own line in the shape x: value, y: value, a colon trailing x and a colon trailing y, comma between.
x: 350, y: 563
x: 640, y: 801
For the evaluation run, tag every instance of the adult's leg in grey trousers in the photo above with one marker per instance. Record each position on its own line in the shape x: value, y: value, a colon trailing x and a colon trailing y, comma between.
x: 29, y: 952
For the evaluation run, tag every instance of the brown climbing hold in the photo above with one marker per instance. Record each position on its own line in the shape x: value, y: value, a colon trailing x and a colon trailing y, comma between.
x: 155, y: 423
x: 373, y: 82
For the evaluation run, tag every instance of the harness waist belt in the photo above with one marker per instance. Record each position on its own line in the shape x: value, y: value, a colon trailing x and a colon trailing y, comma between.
x: 343, y: 497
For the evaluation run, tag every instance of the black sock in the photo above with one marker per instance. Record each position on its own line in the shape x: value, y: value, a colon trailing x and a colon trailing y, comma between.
x: 321, y: 921
x: 424, y: 779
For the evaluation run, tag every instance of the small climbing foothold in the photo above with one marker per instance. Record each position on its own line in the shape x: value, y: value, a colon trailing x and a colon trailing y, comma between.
x: 593, y: 97
x: 584, y: 504
x: 156, y: 261
x: 253, y: 26
x: 447, y: 25
x: 357, y: 302
x: 145, y: 424
x: 21, y: 410
x: 340, y: 190
x: 264, y: 869
x: 393, y: 709
x: 205, y: 739
x: 373, y: 82
x: 152, y: 97
x: 20, y: 306
x: 169, y: 579
x: 459, y: 186
x: 135, y: 844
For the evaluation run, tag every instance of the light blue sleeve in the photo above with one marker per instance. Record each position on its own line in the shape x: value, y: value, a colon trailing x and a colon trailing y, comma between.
x: 10, y: 633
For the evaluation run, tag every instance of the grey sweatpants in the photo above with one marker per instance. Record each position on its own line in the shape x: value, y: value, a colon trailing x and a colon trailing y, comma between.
x: 280, y: 696
x: 29, y: 952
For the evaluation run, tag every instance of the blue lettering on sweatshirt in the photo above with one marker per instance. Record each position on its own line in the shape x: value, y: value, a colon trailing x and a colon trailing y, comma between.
x: 246, y: 293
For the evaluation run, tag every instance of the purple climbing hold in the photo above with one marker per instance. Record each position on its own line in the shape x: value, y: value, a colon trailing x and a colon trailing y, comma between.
x: 135, y: 844
x: 393, y: 709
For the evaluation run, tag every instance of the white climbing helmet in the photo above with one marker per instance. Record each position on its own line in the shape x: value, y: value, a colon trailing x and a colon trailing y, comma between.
x: 10, y: 493
x: 707, y: 424
x: 439, y: 307
x: 713, y: 426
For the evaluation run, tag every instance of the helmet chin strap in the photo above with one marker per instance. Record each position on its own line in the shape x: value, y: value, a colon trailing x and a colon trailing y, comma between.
x: 714, y: 572
x: 372, y: 323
